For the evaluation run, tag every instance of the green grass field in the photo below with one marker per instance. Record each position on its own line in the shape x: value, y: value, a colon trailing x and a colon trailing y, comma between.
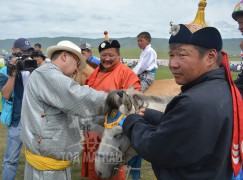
x: 163, y: 73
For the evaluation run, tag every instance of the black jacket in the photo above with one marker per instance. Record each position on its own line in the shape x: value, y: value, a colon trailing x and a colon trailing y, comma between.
x: 192, y: 139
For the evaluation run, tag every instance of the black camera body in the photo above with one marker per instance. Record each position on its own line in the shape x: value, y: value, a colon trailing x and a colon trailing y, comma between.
x: 22, y: 64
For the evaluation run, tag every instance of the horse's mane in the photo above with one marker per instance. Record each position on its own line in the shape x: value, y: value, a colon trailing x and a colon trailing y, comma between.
x: 116, y: 98
x: 151, y: 98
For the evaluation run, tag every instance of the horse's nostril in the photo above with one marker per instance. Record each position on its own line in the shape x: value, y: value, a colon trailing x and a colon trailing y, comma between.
x: 100, y: 174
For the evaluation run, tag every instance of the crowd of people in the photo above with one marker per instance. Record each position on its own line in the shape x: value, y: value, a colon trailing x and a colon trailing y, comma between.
x: 36, y: 128
x: 235, y: 67
x: 199, y: 136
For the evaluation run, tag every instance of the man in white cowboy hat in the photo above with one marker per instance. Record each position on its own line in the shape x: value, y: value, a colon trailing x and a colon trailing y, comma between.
x: 51, y: 137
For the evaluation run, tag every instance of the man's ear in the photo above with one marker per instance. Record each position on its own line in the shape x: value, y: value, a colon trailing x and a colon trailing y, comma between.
x: 212, y: 56
x: 63, y: 55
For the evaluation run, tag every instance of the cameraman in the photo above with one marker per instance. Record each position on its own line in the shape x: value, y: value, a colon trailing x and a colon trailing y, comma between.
x: 14, y: 82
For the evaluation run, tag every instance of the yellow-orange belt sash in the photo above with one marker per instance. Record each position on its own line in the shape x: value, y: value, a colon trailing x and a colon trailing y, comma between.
x: 45, y: 163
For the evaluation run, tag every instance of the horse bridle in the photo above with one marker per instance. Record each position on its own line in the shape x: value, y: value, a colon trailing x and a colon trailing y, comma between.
x: 136, y: 105
x: 119, y: 163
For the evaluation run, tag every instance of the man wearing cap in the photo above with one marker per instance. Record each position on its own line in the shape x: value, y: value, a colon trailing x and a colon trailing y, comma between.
x: 51, y: 137
x: 39, y: 57
x: 14, y: 84
x: 87, y: 53
x: 110, y: 75
x: 192, y: 138
x: 238, y: 16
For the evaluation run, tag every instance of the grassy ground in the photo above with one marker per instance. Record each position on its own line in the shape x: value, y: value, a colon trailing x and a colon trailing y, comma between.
x: 163, y: 73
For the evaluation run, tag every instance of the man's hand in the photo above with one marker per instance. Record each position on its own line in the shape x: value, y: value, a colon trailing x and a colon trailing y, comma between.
x: 140, y: 111
x: 14, y: 61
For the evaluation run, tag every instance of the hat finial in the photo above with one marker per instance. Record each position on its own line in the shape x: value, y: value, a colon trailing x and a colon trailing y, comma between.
x: 106, y: 35
x: 199, y: 21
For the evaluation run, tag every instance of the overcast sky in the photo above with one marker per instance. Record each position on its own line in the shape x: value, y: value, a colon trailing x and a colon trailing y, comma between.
x: 121, y: 18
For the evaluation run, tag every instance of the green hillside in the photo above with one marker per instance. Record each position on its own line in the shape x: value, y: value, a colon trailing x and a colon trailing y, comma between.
x: 129, y: 47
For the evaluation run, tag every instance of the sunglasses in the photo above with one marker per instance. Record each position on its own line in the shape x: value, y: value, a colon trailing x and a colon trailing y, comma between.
x: 75, y: 57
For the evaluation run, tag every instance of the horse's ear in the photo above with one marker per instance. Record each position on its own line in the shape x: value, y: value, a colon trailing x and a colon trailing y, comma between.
x: 138, y: 101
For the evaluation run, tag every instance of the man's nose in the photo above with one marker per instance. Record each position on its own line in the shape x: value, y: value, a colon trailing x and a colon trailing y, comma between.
x: 173, y: 63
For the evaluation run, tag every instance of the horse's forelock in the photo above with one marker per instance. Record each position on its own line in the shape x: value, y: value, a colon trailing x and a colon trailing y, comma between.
x: 113, y: 100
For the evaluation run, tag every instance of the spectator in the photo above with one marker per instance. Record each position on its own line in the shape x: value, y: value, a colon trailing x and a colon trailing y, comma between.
x: 147, y: 63
x: 51, y: 138
x: 238, y: 68
x: 15, y: 83
x: 111, y: 74
x: 231, y: 66
x: 87, y: 53
x: 37, y: 47
x: 238, y: 16
x: 39, y: 57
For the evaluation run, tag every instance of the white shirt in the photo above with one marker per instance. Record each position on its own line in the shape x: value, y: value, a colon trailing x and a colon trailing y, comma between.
x: 147, y: 61
x: 25, y: 77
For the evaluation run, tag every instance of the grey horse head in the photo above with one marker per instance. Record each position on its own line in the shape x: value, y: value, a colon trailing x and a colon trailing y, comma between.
x: 115, y: 148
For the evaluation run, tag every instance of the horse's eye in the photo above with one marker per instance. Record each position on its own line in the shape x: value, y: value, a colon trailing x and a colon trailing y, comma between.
x: 118, y: 135
x: 128, y: 106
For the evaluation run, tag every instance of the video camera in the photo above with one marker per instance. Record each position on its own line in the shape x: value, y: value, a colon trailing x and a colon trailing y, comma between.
x: 22, y: 64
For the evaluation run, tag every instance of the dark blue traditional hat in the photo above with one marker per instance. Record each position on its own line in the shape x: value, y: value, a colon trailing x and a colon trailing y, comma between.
x: 108, y: 44
x: 207, y: 37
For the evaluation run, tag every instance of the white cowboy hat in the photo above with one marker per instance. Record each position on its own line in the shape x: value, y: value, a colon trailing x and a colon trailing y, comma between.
x: 67, y: 46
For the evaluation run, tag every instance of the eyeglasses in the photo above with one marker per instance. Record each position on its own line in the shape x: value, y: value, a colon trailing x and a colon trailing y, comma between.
x: 75, y: 57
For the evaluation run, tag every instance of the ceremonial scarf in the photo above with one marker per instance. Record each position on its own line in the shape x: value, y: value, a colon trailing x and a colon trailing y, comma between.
x: 237, y: 138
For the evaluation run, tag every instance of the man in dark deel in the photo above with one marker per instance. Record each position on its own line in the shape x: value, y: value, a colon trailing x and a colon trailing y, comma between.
x: 193, y: 138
